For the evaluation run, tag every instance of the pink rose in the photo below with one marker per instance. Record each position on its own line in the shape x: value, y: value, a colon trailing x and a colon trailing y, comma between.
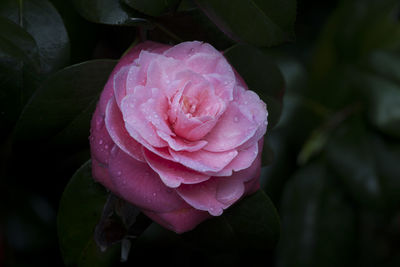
x: 177, y: 134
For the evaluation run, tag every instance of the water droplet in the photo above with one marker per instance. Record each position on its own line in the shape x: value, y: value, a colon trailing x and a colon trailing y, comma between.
x: 99, y: 122
x: 245, y: 102
x: 236, y: 119
x: 154, y: 194
x: 191, y: 51
x: 100, y: 141
x: 106, y: 146
x: 119, y: 173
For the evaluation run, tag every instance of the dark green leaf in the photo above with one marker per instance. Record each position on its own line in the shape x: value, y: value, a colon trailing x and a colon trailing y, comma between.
x: 318, y: 226
x: 16, y: 43
x: 262, y: 75
x: 152, y: 7
x: 110, y: 12
x: 42, y: 21
x: 387, y: 156
x: 252, y: 223
x: 80, y: 210
x: 18, y: 55
x: 65, y: 102
x: 350, y: 155
x: 258, y: 22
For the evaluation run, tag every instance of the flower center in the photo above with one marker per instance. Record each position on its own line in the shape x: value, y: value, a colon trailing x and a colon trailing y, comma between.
x: 189, y: 106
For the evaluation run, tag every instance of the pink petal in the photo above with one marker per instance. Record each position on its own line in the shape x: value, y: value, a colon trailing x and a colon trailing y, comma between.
x: 119, y: 84
x: 138, y: 184
x: 137, y: 121
x: 187, y: 49
x: 218, y: 193
x: 204, y: 161
x: 243, y: 160
x: 232, y: 130
x: 116, y: 128
x: 172, y: 173
x: 101, y: 175
x: 155, y: 111
x: 179, y: 144
x: 100, y: 141
x: 181, y: 220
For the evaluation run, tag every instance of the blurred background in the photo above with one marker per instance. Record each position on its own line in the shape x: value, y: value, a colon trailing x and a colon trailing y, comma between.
x: 334, y: 176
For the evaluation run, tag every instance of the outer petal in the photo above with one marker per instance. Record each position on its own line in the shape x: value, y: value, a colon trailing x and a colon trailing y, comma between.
x: 116, y: 128
x: 100, y: 141
x: 219, y: 193
x: 181, y: 220
x: 101, y: 175
x: 138, y: 184
x: 171, y: 173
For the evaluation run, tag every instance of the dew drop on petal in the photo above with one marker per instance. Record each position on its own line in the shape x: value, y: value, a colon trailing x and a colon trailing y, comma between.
x: 100, y: 141
x: 236, y: 119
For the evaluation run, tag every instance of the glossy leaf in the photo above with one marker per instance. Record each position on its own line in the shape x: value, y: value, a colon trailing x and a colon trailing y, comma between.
x: 350, y: 155
x: 252, y: 223
x: 262, y: 75
x: 152, y: 7
x: 42, y: 21
x: 64, y: 101
x: 258, y: 22
x: 318, y: 226
x: 18, y: 54
x: 110, y: 12
x: 80, y: 210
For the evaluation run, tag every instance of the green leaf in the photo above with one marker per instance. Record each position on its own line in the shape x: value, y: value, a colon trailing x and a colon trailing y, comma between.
x: 18, y: 55
x: 387, y: 156
x: 252, y: 223
x: 318, y: 225
x: 80, y: 210
x: 16, y: 43
x: 262, y: 75
x: 152, y: 7
x: 110, y: 12
x: 350, y: 155
x: 64, y: 103
x: 258, y: 22
x: 42, y: 21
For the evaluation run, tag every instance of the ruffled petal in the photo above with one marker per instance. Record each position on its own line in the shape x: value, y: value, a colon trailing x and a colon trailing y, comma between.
x: 116, y: 128
x: 204, y: 161
x: 231, y: 131
x: 243, y: 160
x: 171, y: 173
x: 137, y: 183
x: 179, y: 144
x: 218, y: 193
x: 185, y: 50
x: 135, y: 119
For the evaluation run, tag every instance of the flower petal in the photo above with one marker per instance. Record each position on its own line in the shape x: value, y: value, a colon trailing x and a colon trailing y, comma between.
x: 100, y: 141
x: 172, y: 173
x: 135, y: 119
x: 137, y: 183
x: 179, y: 144
x: 218, y: 193
x: 243, y: 160
x: 180, y: 220
x: 232, y: 130
x: 204, y: 161
x: 116, y: 128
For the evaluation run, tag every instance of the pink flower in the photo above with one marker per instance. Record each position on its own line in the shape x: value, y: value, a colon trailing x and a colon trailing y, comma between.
x: 177, y: 134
